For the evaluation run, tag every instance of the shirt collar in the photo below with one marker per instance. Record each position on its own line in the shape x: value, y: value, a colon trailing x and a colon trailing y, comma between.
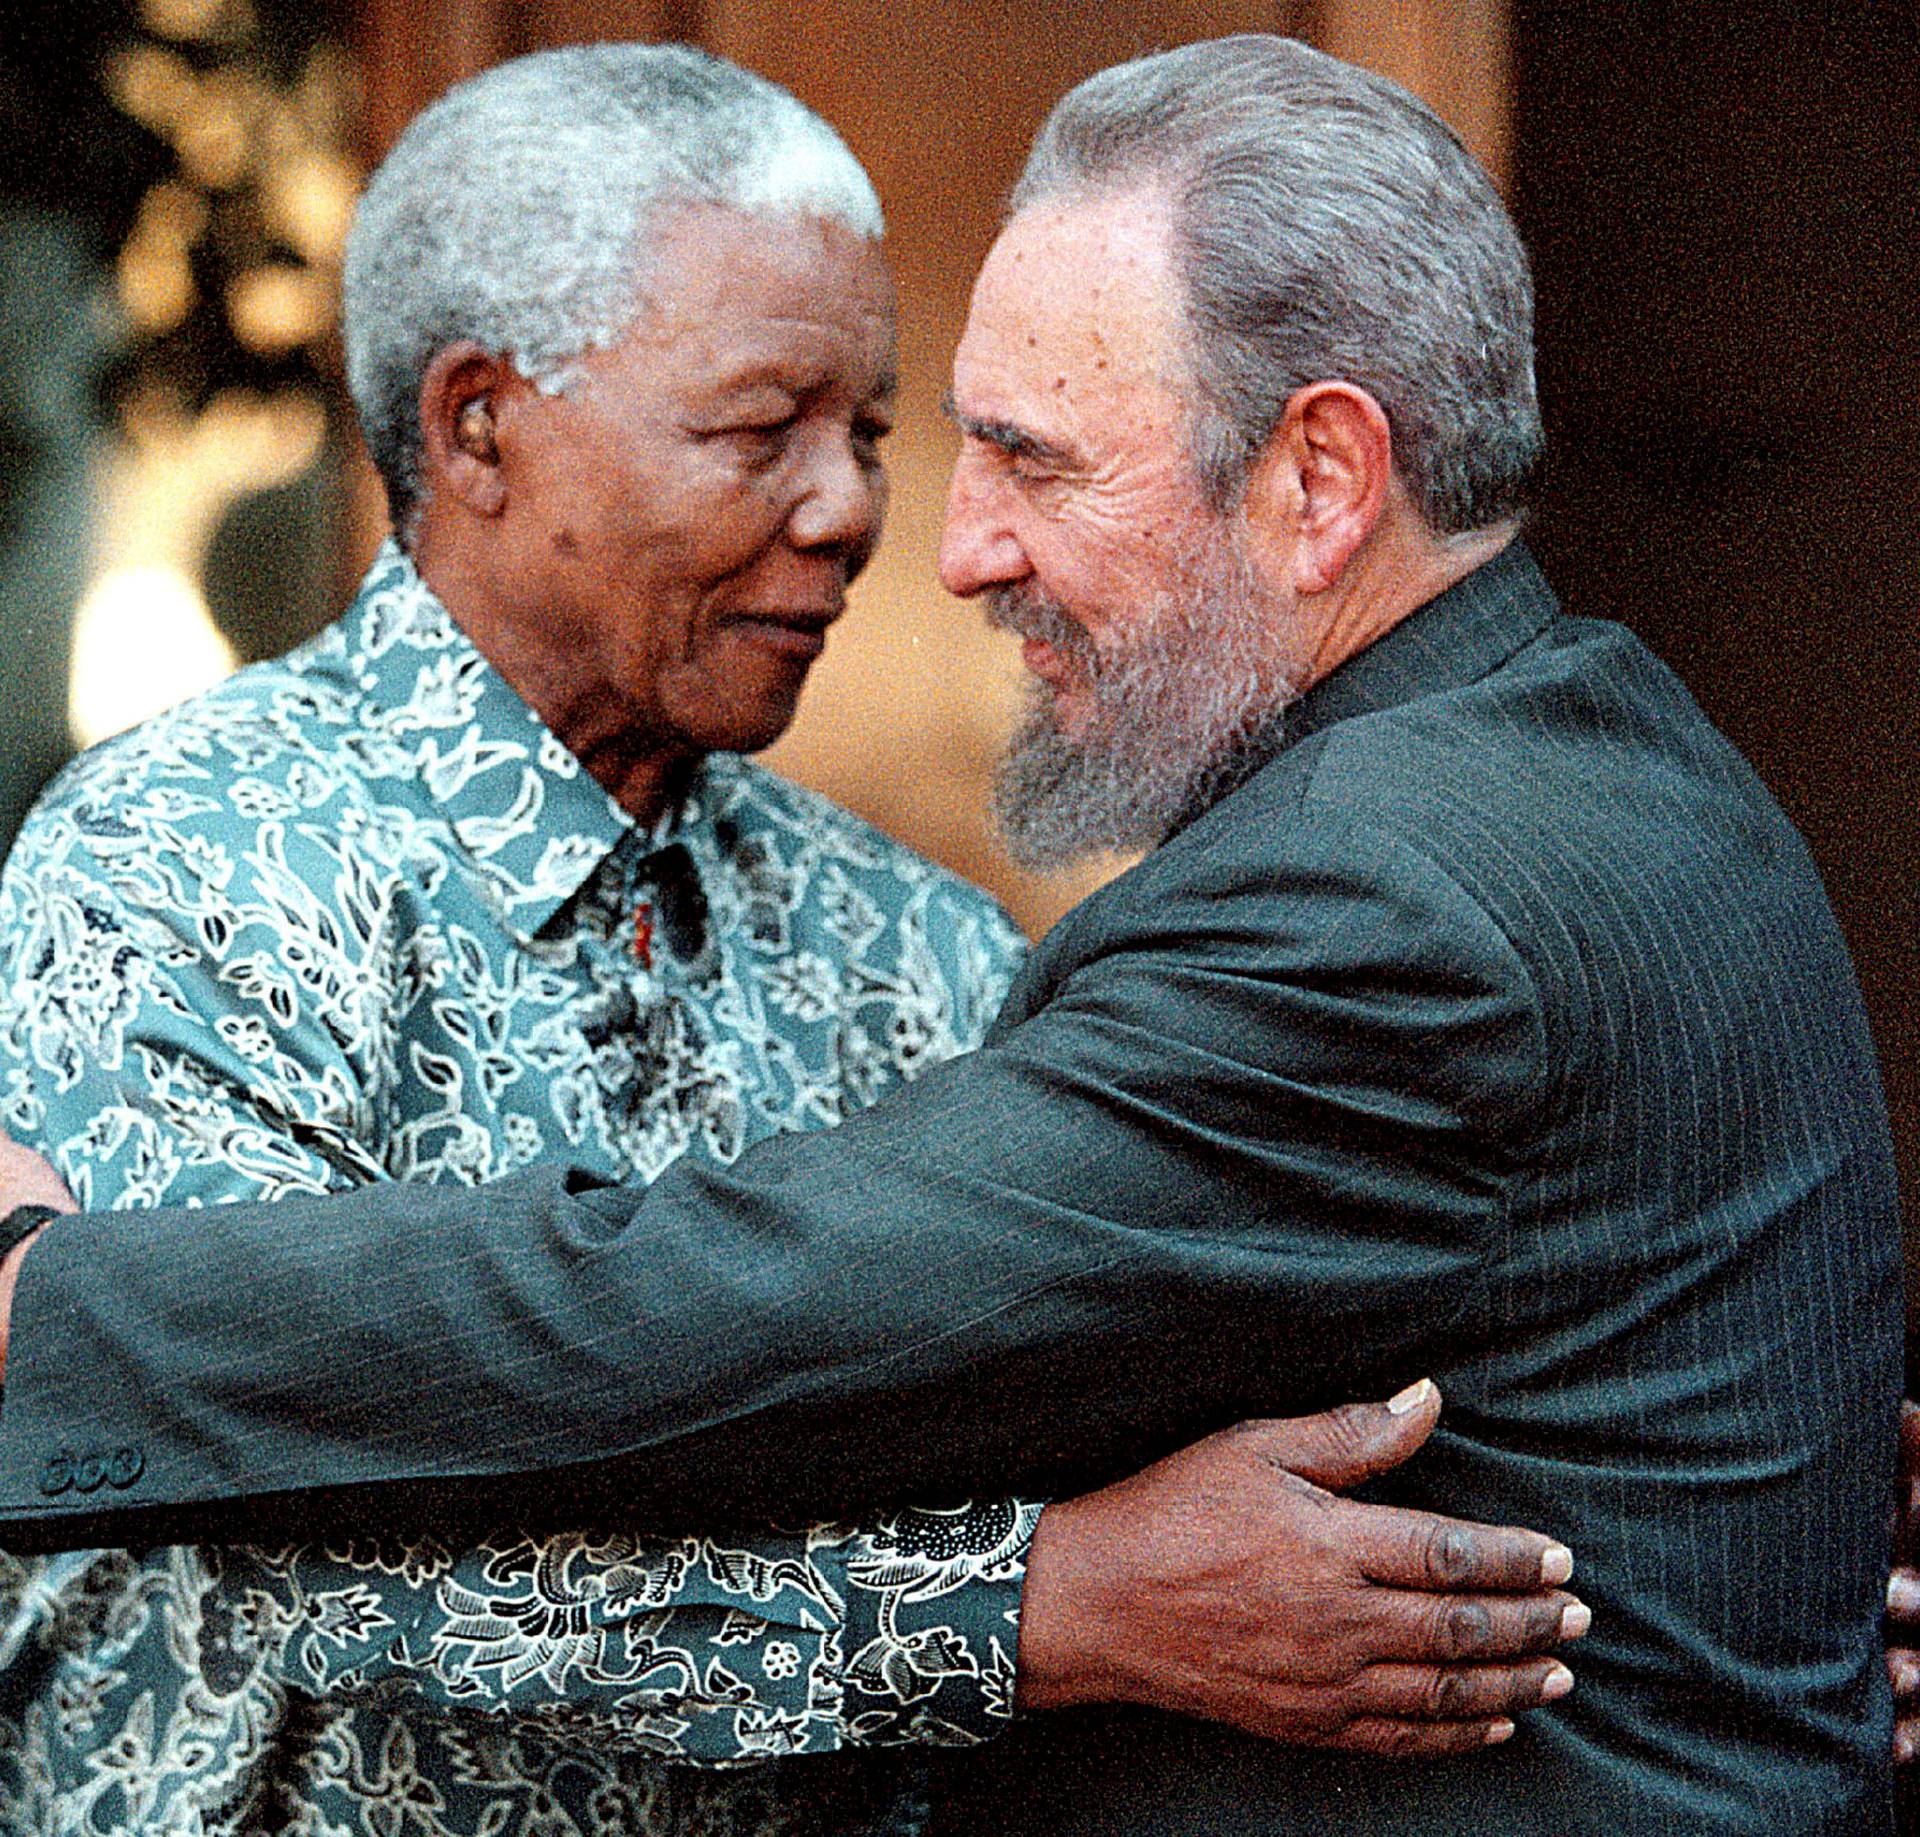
x: 1455, y: 639
x: 532, y: 820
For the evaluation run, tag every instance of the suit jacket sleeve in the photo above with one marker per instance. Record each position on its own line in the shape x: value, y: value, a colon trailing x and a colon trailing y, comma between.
x: 1240, y: 1144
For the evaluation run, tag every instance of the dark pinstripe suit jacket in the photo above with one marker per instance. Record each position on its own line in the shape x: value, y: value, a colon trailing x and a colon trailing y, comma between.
x: 1494, y: 1027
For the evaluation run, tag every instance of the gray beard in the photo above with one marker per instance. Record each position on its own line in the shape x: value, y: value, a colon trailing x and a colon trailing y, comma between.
x: 1172, y: 711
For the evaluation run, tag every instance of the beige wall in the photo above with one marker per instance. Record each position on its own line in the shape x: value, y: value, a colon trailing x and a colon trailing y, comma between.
x: 904, y: 715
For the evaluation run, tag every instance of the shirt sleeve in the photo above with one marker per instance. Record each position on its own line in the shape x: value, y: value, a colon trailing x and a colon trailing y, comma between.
x: 153, y: 1044
x: 695, y: 1649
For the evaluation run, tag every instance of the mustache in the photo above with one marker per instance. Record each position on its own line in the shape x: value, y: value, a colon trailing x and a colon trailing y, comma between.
x: 1027, y: 612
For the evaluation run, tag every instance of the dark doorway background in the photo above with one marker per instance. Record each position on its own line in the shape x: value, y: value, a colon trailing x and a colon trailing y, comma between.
x: 1723, y: 205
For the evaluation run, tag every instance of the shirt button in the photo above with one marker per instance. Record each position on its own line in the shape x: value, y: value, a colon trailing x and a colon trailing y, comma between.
x: 89, y: 1471
x: 126, y: 1466
x: 57, y: 1475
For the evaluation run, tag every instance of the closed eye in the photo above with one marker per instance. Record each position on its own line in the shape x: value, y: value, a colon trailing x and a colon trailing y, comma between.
x: 759, y: 444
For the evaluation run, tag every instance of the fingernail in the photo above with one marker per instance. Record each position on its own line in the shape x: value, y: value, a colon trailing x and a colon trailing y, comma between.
x: 1409, y: 1399
x: 1559, y: 1680
x: 1902, y: 1747
x: 1556, y: 1566
x: 1903, y: 1592
x: 1498, y: 1732
x: 1906, y: 1675
x: 1575, y: 1621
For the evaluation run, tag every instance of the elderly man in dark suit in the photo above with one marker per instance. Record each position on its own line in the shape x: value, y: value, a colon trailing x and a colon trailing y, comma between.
x: 1475, y: 1012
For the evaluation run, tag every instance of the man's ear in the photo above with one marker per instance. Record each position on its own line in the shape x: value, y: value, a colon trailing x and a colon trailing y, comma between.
x: 463, y: 393
x: 1319, y: 486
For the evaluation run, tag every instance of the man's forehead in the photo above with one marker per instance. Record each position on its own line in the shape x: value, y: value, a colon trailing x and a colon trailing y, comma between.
x: 741, y: 289
x: 1076, y: 299
x: 790, y: 355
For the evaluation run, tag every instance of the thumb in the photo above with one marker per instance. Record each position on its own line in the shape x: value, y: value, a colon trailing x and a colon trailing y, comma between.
x: 1339, y: 1448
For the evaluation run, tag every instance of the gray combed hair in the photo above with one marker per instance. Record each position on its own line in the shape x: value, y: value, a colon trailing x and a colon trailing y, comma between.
x: 514, y: 212
x: 1327, y: 225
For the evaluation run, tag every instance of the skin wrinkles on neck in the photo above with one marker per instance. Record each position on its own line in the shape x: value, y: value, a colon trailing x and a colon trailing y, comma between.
x: 1397, y: 570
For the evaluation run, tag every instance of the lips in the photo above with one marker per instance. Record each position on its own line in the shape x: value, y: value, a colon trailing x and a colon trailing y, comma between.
x: 1053, y: 647
x: 1044, y: 661
x: 801, y: 635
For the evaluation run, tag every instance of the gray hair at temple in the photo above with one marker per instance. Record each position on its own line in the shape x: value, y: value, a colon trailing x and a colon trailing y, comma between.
x: 515, y: 210
x: 1327, y: 225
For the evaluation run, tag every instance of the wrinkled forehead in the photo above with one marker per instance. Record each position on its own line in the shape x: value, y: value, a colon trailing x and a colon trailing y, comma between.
x: 1077, y: 300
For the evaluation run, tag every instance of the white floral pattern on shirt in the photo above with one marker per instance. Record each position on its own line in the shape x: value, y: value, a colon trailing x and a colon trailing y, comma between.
x: 356, y: 915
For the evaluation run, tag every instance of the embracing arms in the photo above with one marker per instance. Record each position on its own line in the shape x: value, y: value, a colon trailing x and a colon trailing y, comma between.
x: 1378, y: 1657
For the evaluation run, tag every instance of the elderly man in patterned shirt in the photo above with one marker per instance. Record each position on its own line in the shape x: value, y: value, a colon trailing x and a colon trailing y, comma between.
x: 476, y: 878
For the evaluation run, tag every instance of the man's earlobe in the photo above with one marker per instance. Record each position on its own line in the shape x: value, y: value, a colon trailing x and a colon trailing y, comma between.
x: 1273, y: 501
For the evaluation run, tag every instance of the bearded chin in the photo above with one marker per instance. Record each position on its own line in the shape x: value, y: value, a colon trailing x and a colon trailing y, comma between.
x: 1171, y: 718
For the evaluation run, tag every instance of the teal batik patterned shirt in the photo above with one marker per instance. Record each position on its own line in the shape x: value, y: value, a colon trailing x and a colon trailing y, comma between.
x: 357, y: 915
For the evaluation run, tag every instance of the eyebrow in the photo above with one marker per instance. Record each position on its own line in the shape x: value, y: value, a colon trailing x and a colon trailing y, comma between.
x: 1009, y: 436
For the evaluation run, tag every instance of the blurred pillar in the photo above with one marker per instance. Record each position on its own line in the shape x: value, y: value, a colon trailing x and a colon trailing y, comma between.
x: 1454, y: 54
x: 49, y: 365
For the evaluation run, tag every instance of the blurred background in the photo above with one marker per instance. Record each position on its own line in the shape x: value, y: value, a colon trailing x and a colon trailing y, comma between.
x: 1721, y: 201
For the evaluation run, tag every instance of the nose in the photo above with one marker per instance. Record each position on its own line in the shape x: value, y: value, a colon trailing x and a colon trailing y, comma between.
x: 842, y: 501
x: 978, y: 549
